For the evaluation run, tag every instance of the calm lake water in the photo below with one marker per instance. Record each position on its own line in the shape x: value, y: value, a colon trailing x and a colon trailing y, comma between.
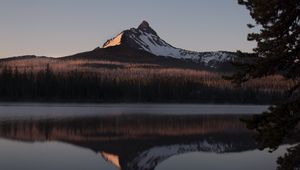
x: 130, y: 137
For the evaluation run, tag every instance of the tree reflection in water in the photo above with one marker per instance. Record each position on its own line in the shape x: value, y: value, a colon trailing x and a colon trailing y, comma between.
x: 138, y: 142
x: 141, y: 142
x: 277, y: 126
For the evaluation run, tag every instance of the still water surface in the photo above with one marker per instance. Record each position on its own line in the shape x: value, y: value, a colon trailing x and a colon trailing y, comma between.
x: 129, y: 137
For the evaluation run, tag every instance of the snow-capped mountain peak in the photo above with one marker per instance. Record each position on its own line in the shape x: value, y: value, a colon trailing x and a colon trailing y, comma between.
x: 144, y: 24
x: 145, y: 38
x: 145, y: 27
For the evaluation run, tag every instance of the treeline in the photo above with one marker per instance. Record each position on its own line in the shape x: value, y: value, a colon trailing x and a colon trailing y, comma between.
x: 76, y: 86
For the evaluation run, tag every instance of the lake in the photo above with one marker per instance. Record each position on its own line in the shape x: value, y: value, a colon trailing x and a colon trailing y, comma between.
x: 45, y: 136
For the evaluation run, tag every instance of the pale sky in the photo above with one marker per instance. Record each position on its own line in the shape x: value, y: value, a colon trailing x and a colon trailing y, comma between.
x: 65, y: 27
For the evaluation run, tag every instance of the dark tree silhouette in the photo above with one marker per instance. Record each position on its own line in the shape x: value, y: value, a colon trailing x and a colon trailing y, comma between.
x: 277, y: 52
x: 48, y: 85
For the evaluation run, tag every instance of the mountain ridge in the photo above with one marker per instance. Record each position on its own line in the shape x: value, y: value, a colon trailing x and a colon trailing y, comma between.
x: 145, y: 38
x: 143, y: 45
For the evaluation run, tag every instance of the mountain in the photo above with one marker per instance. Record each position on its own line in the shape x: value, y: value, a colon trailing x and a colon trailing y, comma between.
x: 141, y: 45
x: 146, y: 39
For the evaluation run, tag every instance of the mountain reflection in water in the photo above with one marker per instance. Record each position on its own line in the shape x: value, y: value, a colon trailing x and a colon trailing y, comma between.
x: 137, y: 142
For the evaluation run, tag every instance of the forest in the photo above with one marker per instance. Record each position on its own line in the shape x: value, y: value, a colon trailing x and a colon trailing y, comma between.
x: 164, y: 85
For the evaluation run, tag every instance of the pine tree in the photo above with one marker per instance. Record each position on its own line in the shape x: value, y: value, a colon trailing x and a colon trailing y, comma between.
x: 277, y: 52
x: 278, y: 41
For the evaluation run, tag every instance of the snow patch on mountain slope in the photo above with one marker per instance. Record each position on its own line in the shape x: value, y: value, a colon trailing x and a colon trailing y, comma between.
x: 113, y: 159
x: 114, y: 42
x: 150, y: 158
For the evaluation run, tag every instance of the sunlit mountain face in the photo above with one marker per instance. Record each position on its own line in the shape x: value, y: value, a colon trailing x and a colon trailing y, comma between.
x: 137, y: 142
